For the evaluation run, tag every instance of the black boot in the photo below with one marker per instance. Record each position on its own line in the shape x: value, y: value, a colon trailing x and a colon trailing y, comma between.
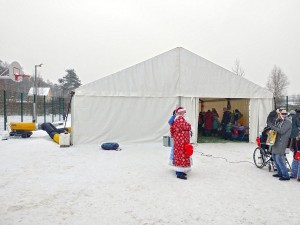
x: 182, y: 177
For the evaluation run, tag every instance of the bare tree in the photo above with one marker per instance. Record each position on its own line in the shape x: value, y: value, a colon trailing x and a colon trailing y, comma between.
x: 237, y: 69
x: 277, y: 82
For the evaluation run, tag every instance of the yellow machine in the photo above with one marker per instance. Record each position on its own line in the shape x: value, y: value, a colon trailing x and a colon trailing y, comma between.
x: 23, y: 129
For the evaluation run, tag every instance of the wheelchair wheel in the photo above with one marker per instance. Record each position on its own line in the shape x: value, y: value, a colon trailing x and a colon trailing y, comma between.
x: 259, y: 157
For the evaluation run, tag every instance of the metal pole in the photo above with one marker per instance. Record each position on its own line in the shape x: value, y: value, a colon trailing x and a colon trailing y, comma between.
x: 5, y: 116
x: 59, y: 109
x: 179, y: 101
x: 21, y: 107
x: 287, y: 103
x: 35, y: 94
x: 44, y: 108
x: 63, y: 106
x: 52, y: 107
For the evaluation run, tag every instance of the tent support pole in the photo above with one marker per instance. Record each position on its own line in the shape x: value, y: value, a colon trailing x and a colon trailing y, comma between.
x: 179, y: 100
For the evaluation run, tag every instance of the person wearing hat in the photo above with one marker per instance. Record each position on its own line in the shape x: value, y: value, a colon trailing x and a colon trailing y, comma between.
x: 180, y: 131
x: 283, y: 127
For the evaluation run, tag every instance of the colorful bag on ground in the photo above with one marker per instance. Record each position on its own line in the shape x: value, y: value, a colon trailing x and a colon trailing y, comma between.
x: 189, y: 150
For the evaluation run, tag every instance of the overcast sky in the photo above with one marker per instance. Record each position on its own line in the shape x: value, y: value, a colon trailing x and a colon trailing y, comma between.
x: 98, y: 38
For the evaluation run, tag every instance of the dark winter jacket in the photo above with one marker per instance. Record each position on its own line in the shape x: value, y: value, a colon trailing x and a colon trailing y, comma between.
x: 282, y: 137
x: 226, y: 118
x: 295, y: 126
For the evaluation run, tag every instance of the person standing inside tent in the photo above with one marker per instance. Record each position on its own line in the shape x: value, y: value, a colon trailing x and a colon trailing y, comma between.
x: 170, y: 122
x: 225, y: 120
x: 214, y: 112
x: 180, y: 131
x: 241, y: 120
x: 283, y: 127
x: 208, y: 122
x: 215, y: 126
x: 236, y: 116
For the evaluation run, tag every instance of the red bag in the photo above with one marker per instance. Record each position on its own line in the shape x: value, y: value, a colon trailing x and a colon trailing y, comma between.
x: 189, y: 150
x: 297, y: 156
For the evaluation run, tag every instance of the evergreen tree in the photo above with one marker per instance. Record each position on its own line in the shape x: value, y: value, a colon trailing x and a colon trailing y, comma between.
x: 70, y: 81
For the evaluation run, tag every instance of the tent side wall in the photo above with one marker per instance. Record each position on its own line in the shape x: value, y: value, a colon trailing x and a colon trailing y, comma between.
x: 125, y: 119
x: 259, y: 111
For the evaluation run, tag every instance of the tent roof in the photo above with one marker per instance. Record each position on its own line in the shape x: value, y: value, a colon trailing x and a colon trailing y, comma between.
x: 177, y: 72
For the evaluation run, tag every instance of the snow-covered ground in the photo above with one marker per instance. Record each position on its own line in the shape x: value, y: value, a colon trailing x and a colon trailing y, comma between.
x: 43, y: 184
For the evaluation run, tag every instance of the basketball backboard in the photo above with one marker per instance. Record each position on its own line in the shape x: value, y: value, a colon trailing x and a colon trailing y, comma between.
x: 15, y: 72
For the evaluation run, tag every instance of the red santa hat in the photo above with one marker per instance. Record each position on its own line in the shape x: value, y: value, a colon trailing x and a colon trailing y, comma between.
x: 180, y: 109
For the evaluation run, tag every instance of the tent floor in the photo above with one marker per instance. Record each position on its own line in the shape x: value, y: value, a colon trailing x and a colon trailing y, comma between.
x: 210, y: 139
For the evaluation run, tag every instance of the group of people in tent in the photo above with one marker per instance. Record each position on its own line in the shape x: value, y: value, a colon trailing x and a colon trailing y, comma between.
x: 287, y: 127
x: 209, y: 123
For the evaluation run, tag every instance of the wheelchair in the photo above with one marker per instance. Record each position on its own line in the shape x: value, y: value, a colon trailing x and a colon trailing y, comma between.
x: 262, y: 156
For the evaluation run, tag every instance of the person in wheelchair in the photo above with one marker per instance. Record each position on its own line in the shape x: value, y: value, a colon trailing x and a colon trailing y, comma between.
x: 272, y: 118
x: 283, y: 127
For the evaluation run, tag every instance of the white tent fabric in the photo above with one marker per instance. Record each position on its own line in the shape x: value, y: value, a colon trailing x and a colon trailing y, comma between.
x: 134, y: 105
x: 259, y: 111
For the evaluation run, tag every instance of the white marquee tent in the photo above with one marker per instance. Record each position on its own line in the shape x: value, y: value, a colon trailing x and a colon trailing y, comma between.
x: 134, y: 105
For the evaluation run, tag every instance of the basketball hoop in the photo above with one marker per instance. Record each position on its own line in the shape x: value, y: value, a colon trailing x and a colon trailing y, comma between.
x: 19, y: 77
x: 16, y: 73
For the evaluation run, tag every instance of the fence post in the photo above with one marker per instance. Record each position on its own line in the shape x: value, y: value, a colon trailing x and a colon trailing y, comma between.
x: 21, y: 107
x: 4, y: 106
x: 59, y: 112
x: 52, y: 107
x: 287, y: 103
x: 44, y: 109
x: 63, y: 106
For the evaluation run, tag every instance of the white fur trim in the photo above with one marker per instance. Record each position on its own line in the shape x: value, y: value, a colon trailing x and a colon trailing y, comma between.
x: 181, y: 110
x: 182, y: 169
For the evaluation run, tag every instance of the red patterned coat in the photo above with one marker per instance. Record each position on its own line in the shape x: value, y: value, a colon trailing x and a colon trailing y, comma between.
x: 180, y: 131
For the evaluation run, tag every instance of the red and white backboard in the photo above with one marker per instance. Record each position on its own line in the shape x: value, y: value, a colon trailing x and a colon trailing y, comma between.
x: 15, y: 72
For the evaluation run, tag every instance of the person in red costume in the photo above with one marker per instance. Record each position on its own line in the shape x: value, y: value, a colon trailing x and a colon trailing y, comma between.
x: 180, y: 131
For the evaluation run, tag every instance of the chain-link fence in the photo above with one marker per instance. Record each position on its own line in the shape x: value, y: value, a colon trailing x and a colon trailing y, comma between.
x: 18, y: 107
x: 291, y: 102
